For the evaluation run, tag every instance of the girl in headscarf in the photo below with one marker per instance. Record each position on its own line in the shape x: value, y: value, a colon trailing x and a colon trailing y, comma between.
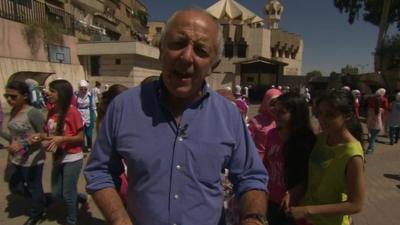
x: 36, y: 95
x: 87, y: 107
x: 264, y: 121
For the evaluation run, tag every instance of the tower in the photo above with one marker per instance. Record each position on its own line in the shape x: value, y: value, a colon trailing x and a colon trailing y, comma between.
x: 273, y: 9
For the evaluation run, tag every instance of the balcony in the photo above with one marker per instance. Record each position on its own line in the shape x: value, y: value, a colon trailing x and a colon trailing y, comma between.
x: 35, y: 12
x: 108, y: 17
x: 84, y: 27
x: 90, y: 5
x: 118, y: 48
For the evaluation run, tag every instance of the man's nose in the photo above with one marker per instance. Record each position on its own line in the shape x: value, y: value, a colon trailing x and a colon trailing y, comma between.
x: 187, y: 53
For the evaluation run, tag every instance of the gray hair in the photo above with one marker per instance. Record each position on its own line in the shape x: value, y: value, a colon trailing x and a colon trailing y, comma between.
x: 220, y: 40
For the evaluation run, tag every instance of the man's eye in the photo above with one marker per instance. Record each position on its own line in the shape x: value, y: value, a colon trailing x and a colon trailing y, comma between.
x: 201, y: 52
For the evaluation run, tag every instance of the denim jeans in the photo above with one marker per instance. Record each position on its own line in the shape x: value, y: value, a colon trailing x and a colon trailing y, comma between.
x: 27, y: 181
x: 64, y: 182
x: 88, y: 134
x: 372, y: 139
x: 394, y: 132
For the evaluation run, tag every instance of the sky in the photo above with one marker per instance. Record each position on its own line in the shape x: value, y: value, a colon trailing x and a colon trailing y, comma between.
x: 330, y: 42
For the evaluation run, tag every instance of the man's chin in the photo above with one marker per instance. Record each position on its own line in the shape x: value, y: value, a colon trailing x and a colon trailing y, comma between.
x: 182, y: 94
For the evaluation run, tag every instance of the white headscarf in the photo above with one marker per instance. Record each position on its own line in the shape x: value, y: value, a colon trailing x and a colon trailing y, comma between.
x: 83, y: 83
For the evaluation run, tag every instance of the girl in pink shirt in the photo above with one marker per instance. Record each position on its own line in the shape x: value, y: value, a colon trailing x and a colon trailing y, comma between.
x: 264, y: 121
x: 287, y: 148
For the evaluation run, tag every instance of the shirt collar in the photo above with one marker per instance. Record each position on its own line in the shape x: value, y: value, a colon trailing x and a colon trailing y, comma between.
x: 160, y: 89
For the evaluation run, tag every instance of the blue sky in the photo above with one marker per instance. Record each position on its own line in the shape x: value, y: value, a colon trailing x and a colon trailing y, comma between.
x: 330, y: 43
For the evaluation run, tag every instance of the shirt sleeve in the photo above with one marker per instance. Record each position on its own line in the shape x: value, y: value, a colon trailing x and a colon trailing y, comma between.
x: 105, y: 164
x: 246, y: 170
x: 36, y: 119
x: 74, y: 123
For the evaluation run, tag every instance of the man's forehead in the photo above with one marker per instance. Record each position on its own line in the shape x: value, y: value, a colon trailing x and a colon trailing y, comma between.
x: 199, y: 18
x: 197, y: 25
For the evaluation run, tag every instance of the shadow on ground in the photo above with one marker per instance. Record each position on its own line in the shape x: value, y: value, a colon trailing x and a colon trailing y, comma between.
x: 20, y: 206
x: 392, y: 176
x: 17, y: 206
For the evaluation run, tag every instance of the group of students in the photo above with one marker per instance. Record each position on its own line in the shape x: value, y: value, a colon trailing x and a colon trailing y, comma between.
x: 70, y: 115
x: 316, y: 176
x: 383, y: 116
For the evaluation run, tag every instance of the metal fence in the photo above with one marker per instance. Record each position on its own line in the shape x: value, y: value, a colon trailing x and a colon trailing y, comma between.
x: 34, y: 12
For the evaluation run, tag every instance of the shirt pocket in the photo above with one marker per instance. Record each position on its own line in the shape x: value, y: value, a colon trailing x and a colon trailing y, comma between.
x: 207, y: 160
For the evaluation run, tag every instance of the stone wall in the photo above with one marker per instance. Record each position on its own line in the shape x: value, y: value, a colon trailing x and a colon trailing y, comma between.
x: 8, y: 66
x: 13, y: 44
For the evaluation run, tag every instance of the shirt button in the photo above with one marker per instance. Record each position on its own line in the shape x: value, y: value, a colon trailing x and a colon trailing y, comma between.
x: 180, y: 139
x: 178, y: 167
x: 176, y: 196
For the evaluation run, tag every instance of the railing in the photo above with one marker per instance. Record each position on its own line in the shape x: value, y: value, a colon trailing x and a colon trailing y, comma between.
x: 34, y: 12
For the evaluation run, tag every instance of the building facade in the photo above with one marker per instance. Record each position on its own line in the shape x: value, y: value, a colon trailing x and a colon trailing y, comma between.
x: 32, y: 47
x: 256, y: 51
x: 40, y: 39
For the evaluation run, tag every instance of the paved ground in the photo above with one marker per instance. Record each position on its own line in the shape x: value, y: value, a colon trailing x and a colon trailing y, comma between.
x: 381, y: 207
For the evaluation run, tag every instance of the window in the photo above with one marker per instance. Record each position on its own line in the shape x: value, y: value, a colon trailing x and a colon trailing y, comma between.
x: 225, y: 31
x: 273, y: 52
x: 95, y: 65
x: 228, y: 48
x: 287, y: 53
x: 158, y: 30
x: 238, y: 33
x: 118, y: 61
x: 241, y: 48
x: 280, y: 52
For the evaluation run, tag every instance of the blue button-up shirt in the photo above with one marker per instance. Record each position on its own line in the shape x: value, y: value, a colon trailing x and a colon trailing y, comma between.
x: 174, y: 172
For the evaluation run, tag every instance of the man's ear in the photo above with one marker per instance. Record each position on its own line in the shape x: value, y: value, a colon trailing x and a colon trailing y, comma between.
x: 161, y: 52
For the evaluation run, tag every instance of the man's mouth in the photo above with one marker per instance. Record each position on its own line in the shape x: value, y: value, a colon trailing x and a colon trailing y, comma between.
x: 182, y: 74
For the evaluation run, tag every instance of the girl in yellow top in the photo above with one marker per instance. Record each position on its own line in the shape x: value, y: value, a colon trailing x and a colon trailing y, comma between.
x: 335, y: 186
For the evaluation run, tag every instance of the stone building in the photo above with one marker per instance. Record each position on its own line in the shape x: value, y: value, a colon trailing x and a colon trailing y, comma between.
x: 256, y: 52
x: 41, y: 39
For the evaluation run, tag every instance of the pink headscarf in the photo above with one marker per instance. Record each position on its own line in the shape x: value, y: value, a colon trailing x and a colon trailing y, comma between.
x: 262, y: 123
x: 268, y: 96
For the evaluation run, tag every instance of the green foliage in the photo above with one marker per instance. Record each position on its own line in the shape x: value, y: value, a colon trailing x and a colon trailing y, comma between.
x: 391, y: 51
x: 392, y: 45
x: 314, y: 73
x: 50, y: 33
x: 53, y: 33
x: 371, y: 10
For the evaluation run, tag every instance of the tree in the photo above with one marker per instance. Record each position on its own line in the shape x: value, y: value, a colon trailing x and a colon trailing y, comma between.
x: 314, y: 73
x: 371, y: 9
x: 390, y: 52
x: 378, y: 12
x: 311, y: 75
